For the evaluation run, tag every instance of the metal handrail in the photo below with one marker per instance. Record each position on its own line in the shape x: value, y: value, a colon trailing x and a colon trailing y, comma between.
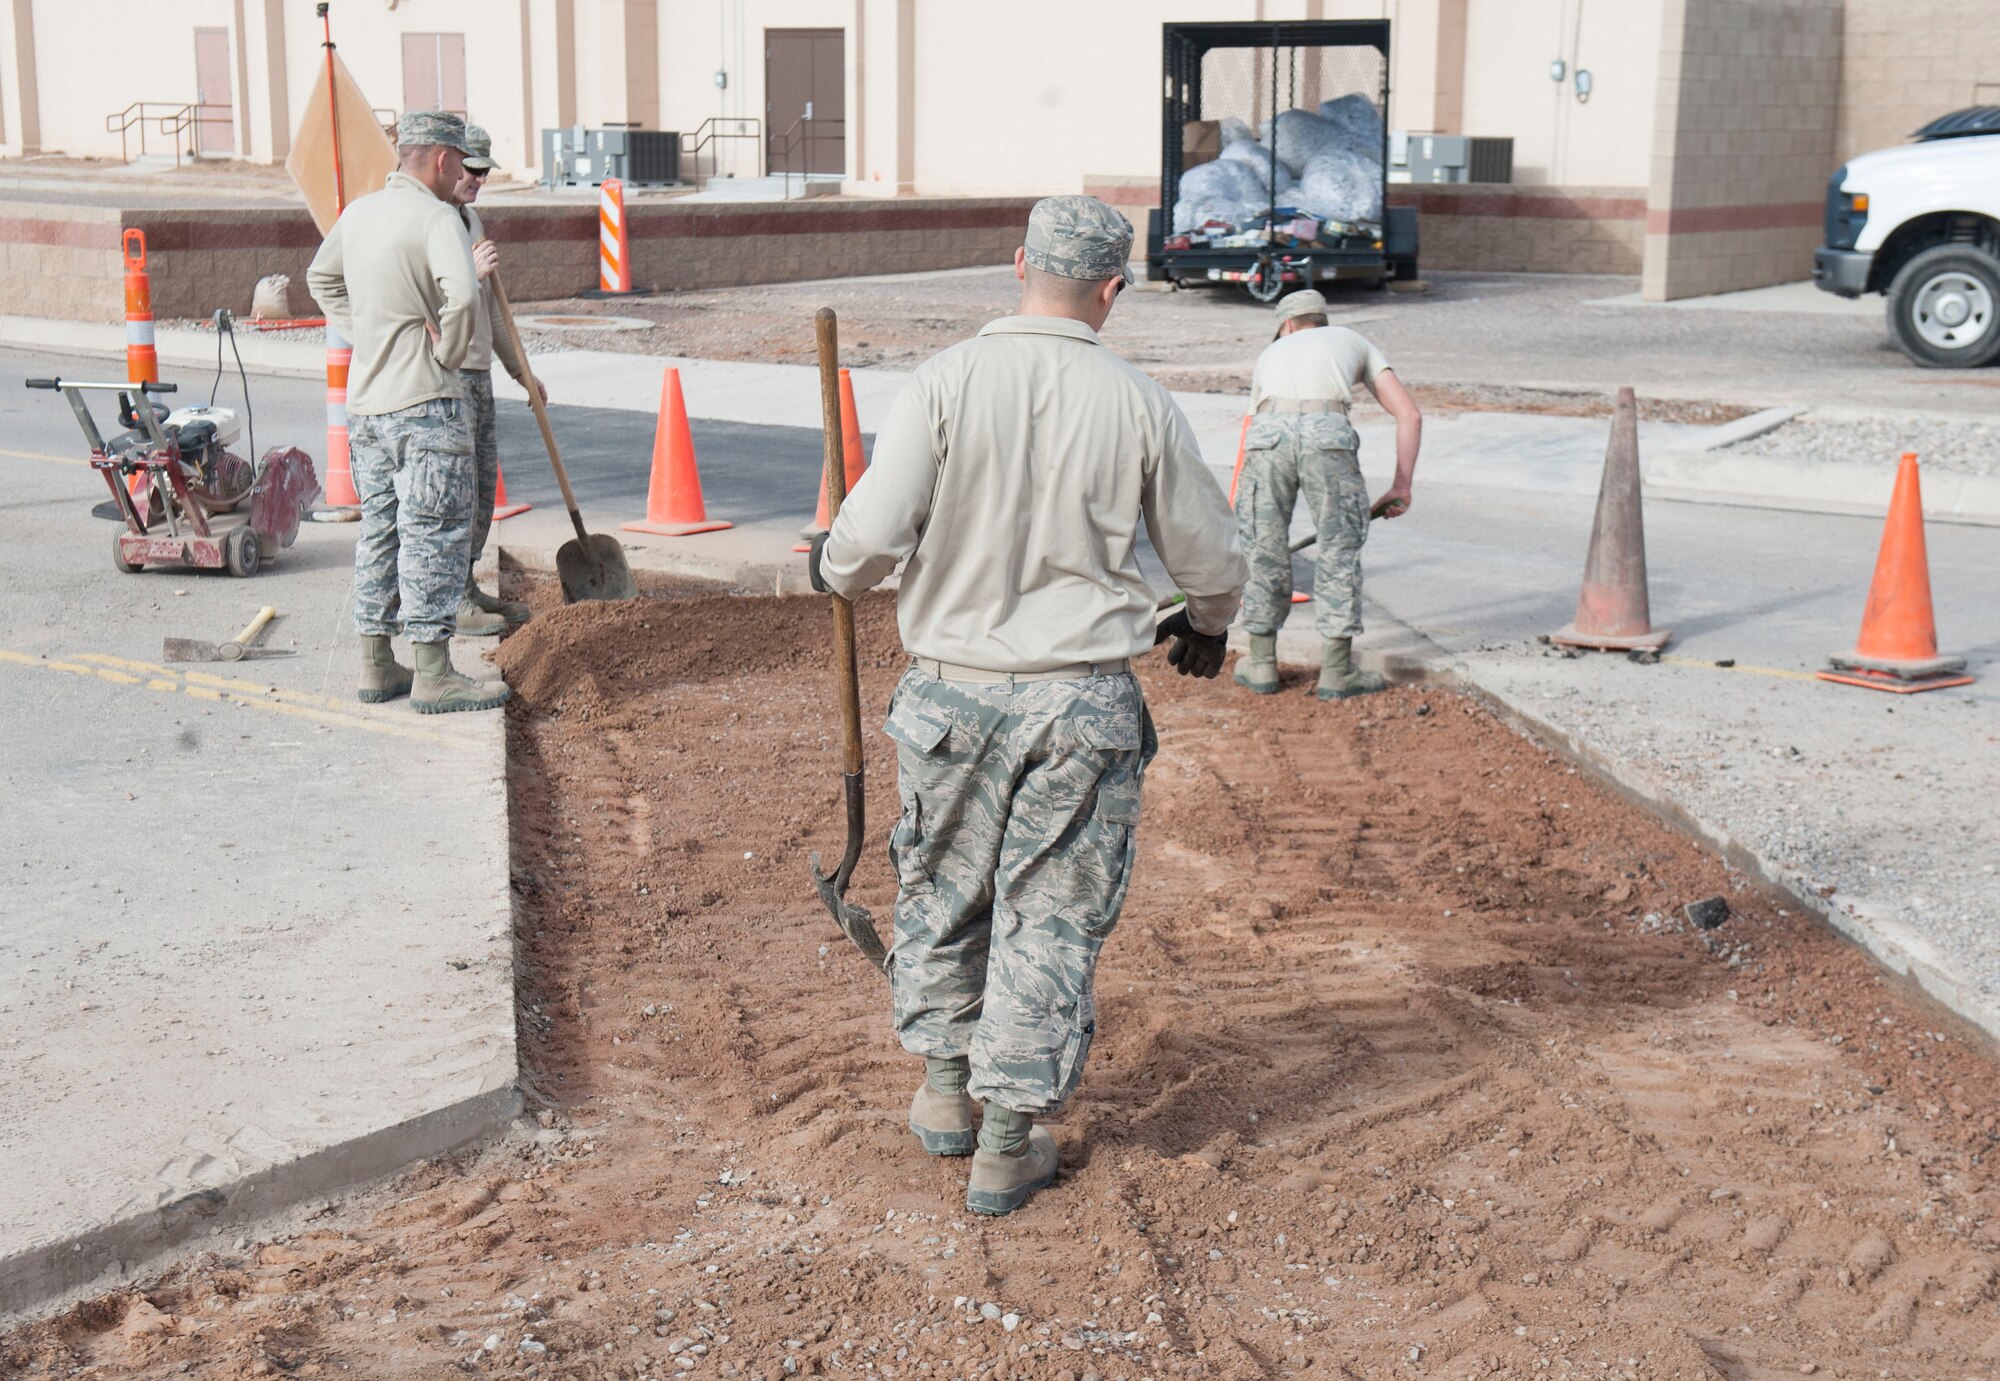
x: 171, y: 120
x: 802, y: 134
x: 714, y: 129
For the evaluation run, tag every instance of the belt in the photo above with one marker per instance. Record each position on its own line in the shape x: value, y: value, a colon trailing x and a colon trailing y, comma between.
x: 1076, y: 671
x: 1302, y: 405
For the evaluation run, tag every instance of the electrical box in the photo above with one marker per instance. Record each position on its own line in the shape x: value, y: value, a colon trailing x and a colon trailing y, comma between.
x: 1449, y: 158
x: 581, y: 157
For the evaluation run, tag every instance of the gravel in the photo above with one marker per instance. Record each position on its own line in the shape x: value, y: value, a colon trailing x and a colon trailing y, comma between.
x: 1963, y: 448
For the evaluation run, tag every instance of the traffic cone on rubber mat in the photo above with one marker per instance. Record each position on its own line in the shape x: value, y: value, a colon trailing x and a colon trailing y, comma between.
x: 1897, y: 650
x: 855, y: 459
x: 673, y: 498
x: 1613, y: 612
x: 501, y: 508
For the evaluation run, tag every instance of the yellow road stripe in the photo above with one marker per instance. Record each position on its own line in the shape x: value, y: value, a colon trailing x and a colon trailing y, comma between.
x: 229, y: 683
x: 220, y: 689
x: 1785, y: 673
x: 44, y: 455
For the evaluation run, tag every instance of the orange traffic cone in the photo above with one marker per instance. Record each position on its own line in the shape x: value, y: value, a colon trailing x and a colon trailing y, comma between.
x: 1236, y: 476
x: 1613, y: 611
x: 855, y: 458
x: 501, y: 508
x: 673, y: 498
x: 1897, y: 650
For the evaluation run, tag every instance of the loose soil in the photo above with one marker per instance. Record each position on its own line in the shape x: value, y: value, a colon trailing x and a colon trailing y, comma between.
x: 1406, y: 1066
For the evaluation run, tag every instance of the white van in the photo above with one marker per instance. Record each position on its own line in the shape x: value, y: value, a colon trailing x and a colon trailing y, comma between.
x: 1921, y: 222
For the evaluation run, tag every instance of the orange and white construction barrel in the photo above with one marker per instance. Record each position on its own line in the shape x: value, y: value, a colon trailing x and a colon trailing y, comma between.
x: 142, y: 359
x: 614, y: 245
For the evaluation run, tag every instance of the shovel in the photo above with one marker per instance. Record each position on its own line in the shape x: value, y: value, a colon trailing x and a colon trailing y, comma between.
x: 239, y: 648
x: 594, y: 565
x: 855, y: 921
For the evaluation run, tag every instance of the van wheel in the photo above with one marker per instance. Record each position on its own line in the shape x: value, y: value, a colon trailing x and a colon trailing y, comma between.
x: 1944, y: 308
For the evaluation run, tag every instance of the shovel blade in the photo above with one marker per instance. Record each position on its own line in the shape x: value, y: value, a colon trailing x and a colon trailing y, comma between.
x: 594, y: 567
x: 854, y: 921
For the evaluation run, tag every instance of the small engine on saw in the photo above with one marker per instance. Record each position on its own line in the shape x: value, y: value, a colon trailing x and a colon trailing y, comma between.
x: 171, y: 473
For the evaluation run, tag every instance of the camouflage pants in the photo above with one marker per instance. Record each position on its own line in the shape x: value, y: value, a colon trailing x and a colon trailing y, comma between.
x: 1020, y: 807
x: 1284, y: 454
x: 477, y: 384
x: 413, y: 470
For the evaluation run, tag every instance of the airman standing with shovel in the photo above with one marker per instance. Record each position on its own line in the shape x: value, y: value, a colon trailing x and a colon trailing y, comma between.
x: 1300, y: 441
x: 1013, y: 474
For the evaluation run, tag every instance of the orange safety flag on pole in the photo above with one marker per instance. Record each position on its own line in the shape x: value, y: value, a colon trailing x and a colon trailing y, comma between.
x: 366, y: 154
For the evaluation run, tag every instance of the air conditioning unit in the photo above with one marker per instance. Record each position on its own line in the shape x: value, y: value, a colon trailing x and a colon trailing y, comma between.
x: 580, y: 157
x: 1449, y: 158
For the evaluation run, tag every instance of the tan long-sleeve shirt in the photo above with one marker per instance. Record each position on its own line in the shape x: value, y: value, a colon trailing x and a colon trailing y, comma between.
x: 1013, y: 473
x: 395, y: 260
x: 490, y: 339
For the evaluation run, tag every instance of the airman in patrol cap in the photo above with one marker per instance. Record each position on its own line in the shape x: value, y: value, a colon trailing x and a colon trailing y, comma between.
x: 395, y: 276
x: 481, y: 614
x: 1013, y: 476
x: 1300, y: 441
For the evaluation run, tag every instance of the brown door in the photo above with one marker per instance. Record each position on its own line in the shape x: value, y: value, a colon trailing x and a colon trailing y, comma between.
x: 805, y: 99
x: 434, y: 72
x: 215, y: 128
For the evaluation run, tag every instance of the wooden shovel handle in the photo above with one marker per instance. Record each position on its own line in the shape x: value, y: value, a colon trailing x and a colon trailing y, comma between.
x: 535, y: 402
x: 826, y: 328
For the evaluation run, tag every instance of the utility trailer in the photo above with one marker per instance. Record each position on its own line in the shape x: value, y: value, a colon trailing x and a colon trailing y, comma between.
x: 1250, y: 72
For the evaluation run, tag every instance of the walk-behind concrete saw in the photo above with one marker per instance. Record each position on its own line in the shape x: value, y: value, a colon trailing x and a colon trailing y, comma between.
x: 185, y: 499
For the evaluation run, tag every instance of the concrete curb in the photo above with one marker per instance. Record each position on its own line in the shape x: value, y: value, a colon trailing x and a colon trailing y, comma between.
x: 1799, y: 486
x: 45, y: 1276
x: 296, y: 354
x: 42, y: 1277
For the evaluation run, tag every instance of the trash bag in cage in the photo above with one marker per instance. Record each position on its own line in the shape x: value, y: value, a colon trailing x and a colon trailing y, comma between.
x: 1258, y: 157
x: 1342, y: 184
x: 1225, y: 189
x: 1355, y: 116
x: 1235, y: 131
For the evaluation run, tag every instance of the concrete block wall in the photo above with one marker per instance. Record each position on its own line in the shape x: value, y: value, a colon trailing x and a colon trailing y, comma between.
x: 1509, y: 229
x: 1905, y: 62
x: 1744, y: 138
x: 64, y: 262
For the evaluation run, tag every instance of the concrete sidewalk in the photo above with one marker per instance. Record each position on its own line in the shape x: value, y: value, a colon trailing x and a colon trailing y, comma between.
x: 258, y: 940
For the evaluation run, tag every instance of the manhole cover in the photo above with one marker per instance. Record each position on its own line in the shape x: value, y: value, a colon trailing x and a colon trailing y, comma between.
x: 547, y: 321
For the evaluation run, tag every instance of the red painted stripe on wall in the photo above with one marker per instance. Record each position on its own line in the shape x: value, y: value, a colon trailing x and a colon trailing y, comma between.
x: 1700, y: 220
x: 1521, y: 206
x: 61, y: 234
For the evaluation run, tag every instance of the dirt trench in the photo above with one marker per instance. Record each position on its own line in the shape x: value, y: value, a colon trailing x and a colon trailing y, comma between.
x: 1406, y: 1067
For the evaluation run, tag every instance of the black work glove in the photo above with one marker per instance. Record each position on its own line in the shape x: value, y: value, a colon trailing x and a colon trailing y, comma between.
x: 1193, y: 654
x: 812, y: 563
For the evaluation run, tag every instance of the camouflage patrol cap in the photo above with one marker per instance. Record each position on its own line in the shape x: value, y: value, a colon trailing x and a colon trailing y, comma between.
x: 1304, y: 302
x: 1078, y: 237
x: 478, y: 149
x: 419, y: 128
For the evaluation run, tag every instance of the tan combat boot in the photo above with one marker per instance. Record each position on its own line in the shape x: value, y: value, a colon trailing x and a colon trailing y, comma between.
x: 440, y: 689
x: 511, y: 610
x: 1257, y: 670
x: 1339, y: 678
x: 475, y: 622
x: 1014, y: 1159
x: 382, y: 677
x: 941, y: 1113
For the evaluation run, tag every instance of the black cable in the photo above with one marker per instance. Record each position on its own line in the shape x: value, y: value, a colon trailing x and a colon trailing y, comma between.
x: 249, y: 414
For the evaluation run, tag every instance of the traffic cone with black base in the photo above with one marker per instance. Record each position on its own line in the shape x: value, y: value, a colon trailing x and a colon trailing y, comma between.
x: 1897, y: 650
x: 1613, y: 611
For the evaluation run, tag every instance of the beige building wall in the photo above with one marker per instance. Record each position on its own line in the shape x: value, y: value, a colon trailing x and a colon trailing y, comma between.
x: 1559, y: 140
x: 1906, y: 62
x: 1743, y: 143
